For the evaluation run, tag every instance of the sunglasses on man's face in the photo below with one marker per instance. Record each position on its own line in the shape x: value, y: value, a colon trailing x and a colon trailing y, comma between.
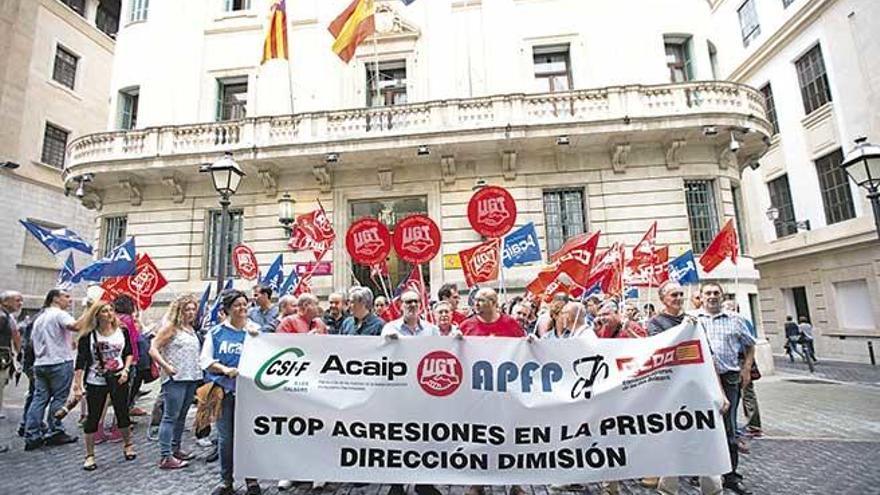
x: 411, y: 301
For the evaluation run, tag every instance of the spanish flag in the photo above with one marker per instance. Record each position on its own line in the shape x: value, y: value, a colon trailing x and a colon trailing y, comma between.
x: 352, y: 27
x: 275, y: 45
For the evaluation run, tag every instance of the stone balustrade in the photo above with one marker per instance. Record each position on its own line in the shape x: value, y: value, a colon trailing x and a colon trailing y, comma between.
x: 498, y: 111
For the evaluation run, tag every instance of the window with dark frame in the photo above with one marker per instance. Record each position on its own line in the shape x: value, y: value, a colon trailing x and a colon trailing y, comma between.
x: 54, y: 146
x: 780, y: 198
x: 232, y: 99
x: 836, y: 193
x: 748, y: 22
x: 211, y: 252
x: 114, y: 232
x: 552, y: 67
x: 678, y: 58
x: 64, y: 70
x: 234, y: 5
x: 107, y: 17
x: 78, y: 6
x: 564, y: 216
x: 736, y: 193
x: 391, y: 83
x: 128, y: 108
x: 770, y: 105
x: 702, y: 212
x: 813, y: 79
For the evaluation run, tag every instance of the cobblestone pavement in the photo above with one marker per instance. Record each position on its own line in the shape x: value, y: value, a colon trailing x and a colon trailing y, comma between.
x: 821, y: 437
x: 831, y: 370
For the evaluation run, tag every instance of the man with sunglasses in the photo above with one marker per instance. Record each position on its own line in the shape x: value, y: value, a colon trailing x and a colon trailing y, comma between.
x: 411, y: 323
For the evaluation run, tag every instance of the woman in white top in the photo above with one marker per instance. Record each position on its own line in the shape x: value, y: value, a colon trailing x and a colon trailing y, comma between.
x: 176, y: 349
x: 103, y: 364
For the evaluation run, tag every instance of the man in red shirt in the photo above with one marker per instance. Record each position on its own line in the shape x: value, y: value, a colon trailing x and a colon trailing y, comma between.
x: 610, y: 325
x: 305, y: 320
x: 489, y: 322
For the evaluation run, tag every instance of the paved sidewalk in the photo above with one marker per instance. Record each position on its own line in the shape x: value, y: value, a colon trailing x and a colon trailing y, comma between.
x: 822, y: 437
x: 831, y: 370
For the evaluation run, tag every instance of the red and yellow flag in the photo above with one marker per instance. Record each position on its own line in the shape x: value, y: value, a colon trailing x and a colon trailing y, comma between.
x: 353, y: 26
x: 275, y: 45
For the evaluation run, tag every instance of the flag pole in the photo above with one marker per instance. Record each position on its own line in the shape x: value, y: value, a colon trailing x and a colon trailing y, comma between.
x: 376, y: 69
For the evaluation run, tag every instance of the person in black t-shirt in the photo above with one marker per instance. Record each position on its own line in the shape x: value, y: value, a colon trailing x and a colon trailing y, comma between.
x: 672, y: 314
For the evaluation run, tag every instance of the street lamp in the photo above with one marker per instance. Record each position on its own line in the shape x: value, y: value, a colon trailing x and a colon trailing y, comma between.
x: 286, y: 214
x: 226, y: 175
x: 862, y: 165
x: 773, y: 216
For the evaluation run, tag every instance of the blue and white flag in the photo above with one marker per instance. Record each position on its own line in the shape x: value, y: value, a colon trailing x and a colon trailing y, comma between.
x: 631, y: 292
x: 66, y: 273
x: 289, y: 283
x: 275, y: 276
x: 684, y: 269
x: 203, y: 302
x: 593, y: 290
x: 119, y: 263
x: 214, y: 313
x: 521, y: 246
x: 57, y: 240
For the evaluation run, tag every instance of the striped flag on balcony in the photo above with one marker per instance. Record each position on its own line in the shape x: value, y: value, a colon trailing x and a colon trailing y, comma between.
x: 275, y: 45
x: 352, y: 27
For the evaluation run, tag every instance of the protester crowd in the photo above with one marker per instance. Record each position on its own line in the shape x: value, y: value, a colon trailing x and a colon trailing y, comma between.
x: 106, y: 355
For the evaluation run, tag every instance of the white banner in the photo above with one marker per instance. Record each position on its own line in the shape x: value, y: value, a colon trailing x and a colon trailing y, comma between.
x: 478, y: 410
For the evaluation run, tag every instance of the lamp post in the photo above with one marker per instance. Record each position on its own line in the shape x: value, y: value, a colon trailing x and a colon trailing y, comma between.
x: 862, y: 165
x: 226, y: 175
x: 286, y: 215
x: 773, y: 215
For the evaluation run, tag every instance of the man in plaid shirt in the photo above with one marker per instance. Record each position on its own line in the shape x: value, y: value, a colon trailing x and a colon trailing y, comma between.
x: 728, y: 337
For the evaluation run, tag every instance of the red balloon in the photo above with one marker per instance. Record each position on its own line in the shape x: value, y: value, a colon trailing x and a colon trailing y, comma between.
x: 245, y: 262
x: 416, y: 239
x: 492, y: 211
x: 368, y: 241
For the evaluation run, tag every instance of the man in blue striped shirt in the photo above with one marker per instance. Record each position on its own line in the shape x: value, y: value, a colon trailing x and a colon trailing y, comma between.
x: 728, y: 337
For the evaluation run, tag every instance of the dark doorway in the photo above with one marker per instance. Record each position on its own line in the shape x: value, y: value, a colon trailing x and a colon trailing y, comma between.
x: 802, y: 308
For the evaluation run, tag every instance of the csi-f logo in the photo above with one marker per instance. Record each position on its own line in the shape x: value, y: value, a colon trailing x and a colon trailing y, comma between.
x: 508, y: 373
x: 274, y: 373
x: 439, y: 373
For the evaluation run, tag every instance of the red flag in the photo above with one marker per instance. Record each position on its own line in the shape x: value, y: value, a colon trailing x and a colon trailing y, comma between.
x: 576, y: 259
x: 481, y: 262
x: 608, y: 271
x: 724, y: 245
x: 146, y: 281
x: 314, y: 231
x: 643, y: 252
x: 649, y: 274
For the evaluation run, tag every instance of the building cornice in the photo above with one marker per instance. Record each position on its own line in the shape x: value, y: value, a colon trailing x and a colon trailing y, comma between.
x: 80, y: 23
x: 797, y: 23
x: 855, y: 240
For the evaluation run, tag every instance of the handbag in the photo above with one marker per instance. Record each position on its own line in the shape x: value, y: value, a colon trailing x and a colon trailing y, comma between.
x: 755, y: 373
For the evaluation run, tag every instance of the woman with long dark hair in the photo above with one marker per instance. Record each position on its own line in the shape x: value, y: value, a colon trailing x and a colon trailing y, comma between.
x: 103, y: 365
x: 176, y: 350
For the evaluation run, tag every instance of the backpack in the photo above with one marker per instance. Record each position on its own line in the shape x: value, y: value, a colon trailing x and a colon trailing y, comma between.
x: 147, y: 367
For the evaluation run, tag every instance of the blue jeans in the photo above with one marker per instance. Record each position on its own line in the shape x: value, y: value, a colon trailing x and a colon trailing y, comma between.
x: 51, y: 389
x: 225, y: 436
x: 178, y: 396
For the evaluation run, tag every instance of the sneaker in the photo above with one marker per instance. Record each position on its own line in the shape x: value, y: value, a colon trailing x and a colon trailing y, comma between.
x: 137, y: 411
x: 172, y: 462
x: 224, y: 489
x: 61, y: 439
x: 213, y: 456
x: 285, y: 485
x: 153, y: 433
x: 204, y: 442
x: 184, y: 456
x: 115, y: 435
x: 21, y: 431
